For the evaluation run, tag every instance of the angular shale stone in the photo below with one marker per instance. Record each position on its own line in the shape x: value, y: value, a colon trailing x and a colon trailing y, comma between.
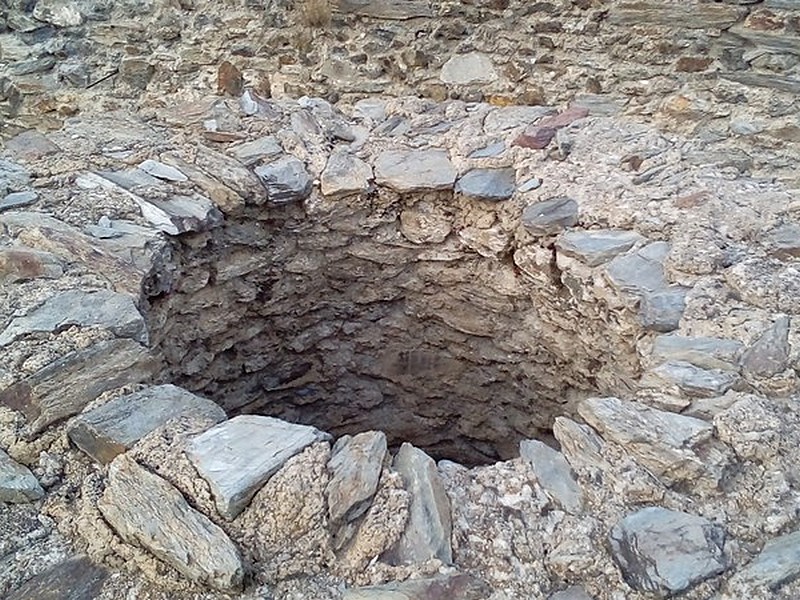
x: 769, y: 354
x: 145, y: 510
x: 487, y: 184
x: 355, y: 464
x: 111, y: 429
x: 597, y: 246
x: 77, y: 578
x: 17, y: 483
x: 554, y: 474
x: 238, y: 456
x: 345, y: 174
x: 704, y: 352
x: 286, y: 180
x: 414, y: 170
x: 445, y: 587
x: 550, y: 216
x: 778, y: 563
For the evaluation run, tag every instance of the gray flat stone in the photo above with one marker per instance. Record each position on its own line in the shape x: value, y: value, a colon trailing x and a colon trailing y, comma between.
x: 446, y: 587
x: 344, y: 175
x: 785, y: 241
x: 386, y: 9
x: 286, y: 180
x: 252, y: 152
x: 665, y: 552
x: 473, y: 67
x: 415, y: 170
x: 355, y: 465
x: 778, y: 563
x: 111, y: 429
x: 162, y: 171
x: 691, y: 380
x: 640, y: 272
x: 427, y: 533
x: 704, y: 352
x: 662, y: 309
x: 17, y: 483
x: 769, y: 354
x: 77, y: 578
x: 597, y: 246
x: 147, y: 511
x: 64, y: 387
x: 116, y: 312
x: 238, y: 456
x: 550, y: 216
x: 575, y: 592
x: 31, y: 144
x: 554, y: 474
x: 490, y: 151
x: 17, y: 199
x: 534, y: 183
x: 509, y: 117
x: 488, y: 184
x: 677, y: 449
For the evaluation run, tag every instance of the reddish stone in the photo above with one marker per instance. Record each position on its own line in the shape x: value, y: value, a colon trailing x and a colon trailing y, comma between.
x: 538, y: 136
x: 229, y: 80
x: 22, y: 264
x: 764, y: 20
x: 692, y: 64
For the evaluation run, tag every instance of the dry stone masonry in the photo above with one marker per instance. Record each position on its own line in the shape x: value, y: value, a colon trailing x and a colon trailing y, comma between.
x: 408, y: 300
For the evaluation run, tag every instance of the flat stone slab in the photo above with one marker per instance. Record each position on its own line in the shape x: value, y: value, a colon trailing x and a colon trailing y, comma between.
x: 238, y: 456
x: 554, y: 474
x: 17, y: 483
x: 690, y: 379
x: 116, y: 312
x: 18, y: 199
x: 550, y: 216
x: 162, y: 171
x: 77, y: 578
x: 386, y: 9
x: 253, y: 151
x: 415, y: 170
x: 427, y: 533
x: 704, y: 352
x: 473, y: 67
x: 286, y: 180
x: 64, y: 387
x: 640, y: 272
x: 675, y: 448
x: 148, y: 511
x: 769, y: 354
x: 448, y: 587
x: 662, y: 310
x: 598, y: 246
x: 666, y: 552
x: 345, y: 174
x: 355, y: 465
x: 493, y: 185
x: 778, y: 563
x: 111, y: 429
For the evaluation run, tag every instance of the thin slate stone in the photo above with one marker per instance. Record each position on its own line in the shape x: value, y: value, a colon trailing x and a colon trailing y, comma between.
x: 554, y: 474
x: 17, y: 199
x: 238, y: 456
x: 692, y: 380
x: 666, y: 552
x: 77, y: 578
x: 344, y: 175
x: 105, y: 308
x: 286, y: 180
x: 662, y: 310
x: 252, y: 152
x: 148, y: 511
x: 489, y: 151
x: 597, y: 246
x: 769, y: 354
x: 355, y: 465
x: 17, y: 483
x: 162, y: 171
x: 111, y: 429
x: 640, y: 272
x: 534, y: 183
x: 487, y: 184
x: 550, y: 216
x: 459, y: 586
x: 415, y: 170
x: 778, y: 563
x: 704, y: 352
x: 575, y: 592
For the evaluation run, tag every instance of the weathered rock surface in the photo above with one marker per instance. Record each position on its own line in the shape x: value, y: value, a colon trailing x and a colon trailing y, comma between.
x: 463, y: 587
x: 554, y: 474
x: 487, y: 184
x: 76, y: 578
x: 777, y: 564
x: 112, y: 428
x: 575, y: 592
x: 414, y: 171
x: 345, y: 174
x: 285, y: 179
x: 355, y: 465
x: 472, y: 67
x: 148, y: 511
x: 596, y: 247
x: 704, y: 352
x: 17, y: 483
x: 666, y: 552
x: 769, y: 354
x: 238, y: 456
x: 550, y: 216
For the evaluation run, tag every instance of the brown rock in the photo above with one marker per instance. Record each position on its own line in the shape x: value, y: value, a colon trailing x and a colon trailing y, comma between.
x: 229, y: 80
x: 692, y: 64
x: 22, y: 264
x: 764, y: 20
x: 538, y: 136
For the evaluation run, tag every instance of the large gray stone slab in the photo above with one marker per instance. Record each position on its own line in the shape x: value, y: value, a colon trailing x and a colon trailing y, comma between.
x: 17, y: 483
x: 665, y: 552
x: 445, y: 587
x: 148, y: 511
x: 704, y: 352
x: 778, y: 563
x: 238, y: 456
x: 356, y: 463
x: 111, y: 429
x: 345, y: 174
x: 253, y: 151
x: 64, y: 387
x: 492, y: 185
x: 77, y: 578
x: 640, y: 272
x: 116, y: 312
x: 551, y: 216
x: 679, y: 450
x: 692, y: 380
x: 286, y: 180
x: 554, y: 474
x: 415, y: 170
x: 662, y: 309
x: 427, y: 533
x: 597, y: 246
x: 769, y: 354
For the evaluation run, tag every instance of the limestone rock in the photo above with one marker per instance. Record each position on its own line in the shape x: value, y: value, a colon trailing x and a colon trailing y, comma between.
x: 777, y: 564
x: 345, y: 174
x: 676, y: 449
x: 111, y: 310
x: 769, y: 354
x: 238, y: 456
x: 704, y: 352
x: 285, y: 179
x: 446, y: 587
x: 666, y: 552
x: 427, y: 533
x: 550, y: 216
x: 228, y: 170
x: 66, y: 386
x: 77, y: 578
x: 463, y: 69
x: 111, y: 429
x: 487, y: 184
x: 17, y: 483
x: 414, y: 170
x: 597, y: 246
x: 148, y: 511
x: 355, y: 465
x: 554, y: 474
